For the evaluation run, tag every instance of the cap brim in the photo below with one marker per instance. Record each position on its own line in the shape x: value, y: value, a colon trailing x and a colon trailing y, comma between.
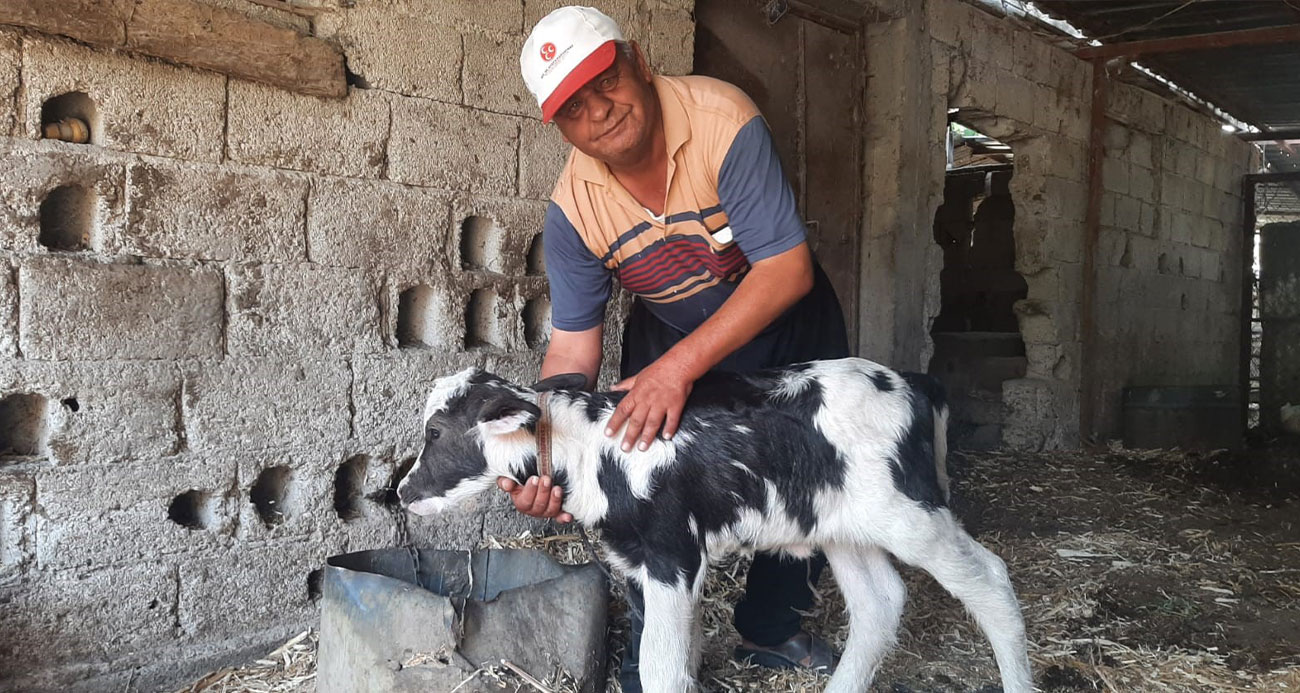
x: 594, y: 64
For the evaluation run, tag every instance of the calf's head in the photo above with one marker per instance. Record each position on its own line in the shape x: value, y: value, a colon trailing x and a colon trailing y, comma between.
x: 477, y: 426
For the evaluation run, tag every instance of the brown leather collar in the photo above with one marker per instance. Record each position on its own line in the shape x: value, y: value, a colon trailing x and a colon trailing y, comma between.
x: 543, y: 436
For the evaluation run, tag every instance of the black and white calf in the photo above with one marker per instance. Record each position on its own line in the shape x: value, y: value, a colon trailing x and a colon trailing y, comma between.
x: 846, y: 457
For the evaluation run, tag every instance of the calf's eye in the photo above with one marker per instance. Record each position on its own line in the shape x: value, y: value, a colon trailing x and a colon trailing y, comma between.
x: 434, y: 434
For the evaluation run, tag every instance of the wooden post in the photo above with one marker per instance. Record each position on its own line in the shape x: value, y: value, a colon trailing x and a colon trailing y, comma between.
x: 1089, y: 390
x: 1247, y: 294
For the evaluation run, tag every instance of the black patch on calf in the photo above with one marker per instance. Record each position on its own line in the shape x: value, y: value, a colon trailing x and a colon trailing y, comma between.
x: 643, y: 533
x: 598, y: 405
x: 782, y: 445
x: 882, y: 381
x: 913, y: 464
x: 929, y: 386
x: 529, y: 468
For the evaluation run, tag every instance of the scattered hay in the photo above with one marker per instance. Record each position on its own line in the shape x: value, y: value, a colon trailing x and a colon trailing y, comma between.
x: 1132, y: 575
x: 291, y: 668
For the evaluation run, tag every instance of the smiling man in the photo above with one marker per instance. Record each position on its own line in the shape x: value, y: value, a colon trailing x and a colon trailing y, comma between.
x: 674, y: 188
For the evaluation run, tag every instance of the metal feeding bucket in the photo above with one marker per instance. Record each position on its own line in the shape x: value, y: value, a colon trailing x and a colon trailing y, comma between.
x: 425, y: 620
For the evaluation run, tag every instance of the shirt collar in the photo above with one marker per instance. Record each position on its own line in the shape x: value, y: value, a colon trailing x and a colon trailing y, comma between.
x: 677, y: 130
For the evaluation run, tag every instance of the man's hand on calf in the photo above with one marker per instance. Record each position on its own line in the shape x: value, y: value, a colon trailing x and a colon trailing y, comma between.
x: 655, y: 398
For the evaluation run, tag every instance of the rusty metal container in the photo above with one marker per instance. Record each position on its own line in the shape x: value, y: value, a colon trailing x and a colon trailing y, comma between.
x: 408, y: 620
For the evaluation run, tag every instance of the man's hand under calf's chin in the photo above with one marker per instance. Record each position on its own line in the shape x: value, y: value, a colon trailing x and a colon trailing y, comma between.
x: 536, y: 498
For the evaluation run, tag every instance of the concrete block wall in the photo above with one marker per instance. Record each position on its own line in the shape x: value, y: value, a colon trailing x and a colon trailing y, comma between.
x: 1034, y: 96
x: 1168, y: 270
x: 219, y: 320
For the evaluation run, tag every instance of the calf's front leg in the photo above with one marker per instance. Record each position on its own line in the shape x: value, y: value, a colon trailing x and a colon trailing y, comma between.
x: 666, y: 641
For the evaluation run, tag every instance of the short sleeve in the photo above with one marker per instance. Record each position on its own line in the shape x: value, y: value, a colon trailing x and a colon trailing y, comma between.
x: 756, y: 196
x: 580, y: 284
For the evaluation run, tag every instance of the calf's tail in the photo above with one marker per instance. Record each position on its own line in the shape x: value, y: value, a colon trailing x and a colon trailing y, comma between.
x: 938, y: 397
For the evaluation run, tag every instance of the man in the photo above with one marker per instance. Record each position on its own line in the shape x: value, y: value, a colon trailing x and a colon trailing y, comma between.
x: 675, y: 188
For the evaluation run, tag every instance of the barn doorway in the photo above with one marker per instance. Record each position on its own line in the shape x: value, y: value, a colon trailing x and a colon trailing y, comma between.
x: 977, y: 341
x: 805, y: 70
x: 1272, y: 328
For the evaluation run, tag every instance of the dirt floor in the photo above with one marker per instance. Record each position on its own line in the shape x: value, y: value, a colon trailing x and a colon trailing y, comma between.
x: 1137, y: 571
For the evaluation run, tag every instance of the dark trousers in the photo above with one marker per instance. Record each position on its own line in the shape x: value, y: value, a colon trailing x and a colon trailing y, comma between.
x: 777, y: 588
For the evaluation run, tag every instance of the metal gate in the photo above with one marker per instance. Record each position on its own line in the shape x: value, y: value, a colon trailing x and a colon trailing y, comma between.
x: 1271, y: 306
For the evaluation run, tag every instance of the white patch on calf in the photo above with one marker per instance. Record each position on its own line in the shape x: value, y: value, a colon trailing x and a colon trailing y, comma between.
x: 428, y: 506
x: 507, y: 425
x: 445, y: 389
x: 792, y: 383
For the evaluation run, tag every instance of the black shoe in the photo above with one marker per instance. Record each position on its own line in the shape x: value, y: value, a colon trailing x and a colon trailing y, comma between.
x: 803, y: 651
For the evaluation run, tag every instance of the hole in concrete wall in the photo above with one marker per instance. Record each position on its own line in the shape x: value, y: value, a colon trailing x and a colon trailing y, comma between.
x: 72, y: 404
x: 352, y: 78
x: 192, y: 509
x: 24, y: 425
x: 977, y: 342
x: 417, y: 317
x: 315, y: 584
x: 480, y: 244
x: 271, y: 495
x: 536, y: 264
x: 1162, y: 264
x: 537, y: 322
x: 71, y: 117
x: 481, y: 324
x: 349, y: 482
x: 970, y: 149
x: 67, y: 215
x: 1182, y: 301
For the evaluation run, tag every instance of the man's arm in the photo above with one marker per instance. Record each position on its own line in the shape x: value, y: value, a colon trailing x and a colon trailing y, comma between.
x: 574, y: 352
x: 659, y: 392
x: 765, y: 223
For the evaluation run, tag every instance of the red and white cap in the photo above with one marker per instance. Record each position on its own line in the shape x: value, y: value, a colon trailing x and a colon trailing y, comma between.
x: 566, y: 49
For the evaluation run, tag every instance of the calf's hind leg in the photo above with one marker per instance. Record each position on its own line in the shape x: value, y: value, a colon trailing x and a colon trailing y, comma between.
x: 874, y: 594
x: 978, y: 578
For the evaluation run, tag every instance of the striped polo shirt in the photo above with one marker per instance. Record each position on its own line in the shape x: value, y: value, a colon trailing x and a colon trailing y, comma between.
x: 729, y: 205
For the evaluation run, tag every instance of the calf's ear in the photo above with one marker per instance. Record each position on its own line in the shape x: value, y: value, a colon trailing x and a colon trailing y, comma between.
x: 506, y: 414
x: 563, y: 381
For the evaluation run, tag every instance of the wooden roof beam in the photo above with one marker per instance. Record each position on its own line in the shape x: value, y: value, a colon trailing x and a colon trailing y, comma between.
x: 1271, y: 136
x: 1196, y: 42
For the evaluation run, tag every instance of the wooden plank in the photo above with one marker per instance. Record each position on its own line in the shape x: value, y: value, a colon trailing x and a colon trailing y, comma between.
x: 97, y: 22
x: 1197, y: 42
x: 833, y: 82
x: 1247, y: 296
x: 1090, y: 392
x: 228, y: 42
x: 1271, y: 136
x: 193, y: 34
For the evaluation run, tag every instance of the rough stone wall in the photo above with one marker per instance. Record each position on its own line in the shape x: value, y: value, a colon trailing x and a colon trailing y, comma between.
x: 1035, y: 96
x: 220, y: 320
x: 1170, y: 249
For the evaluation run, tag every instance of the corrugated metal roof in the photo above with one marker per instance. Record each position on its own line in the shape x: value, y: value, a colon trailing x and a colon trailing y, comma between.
x: 1258, y: 84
